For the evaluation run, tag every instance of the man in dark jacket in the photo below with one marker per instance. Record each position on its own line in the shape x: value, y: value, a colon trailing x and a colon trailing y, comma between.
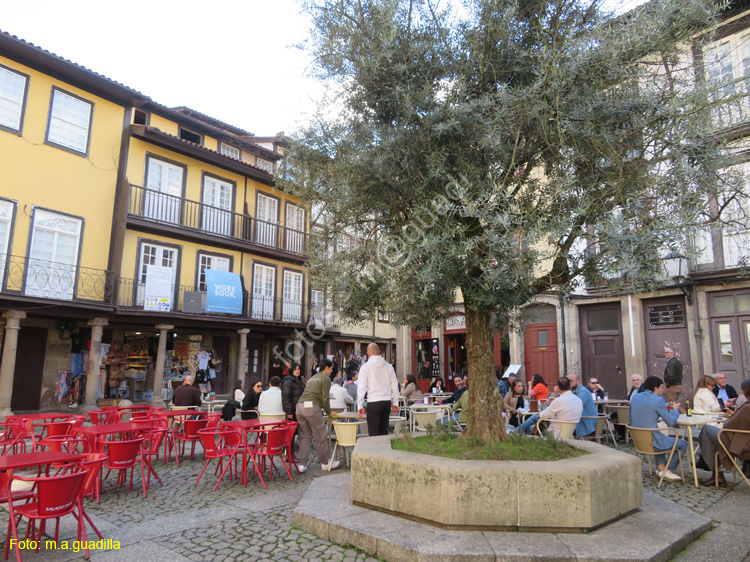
x: 672, y: 377
x: 724, y: 391
x: 460, y: 389
x: 187, y: 394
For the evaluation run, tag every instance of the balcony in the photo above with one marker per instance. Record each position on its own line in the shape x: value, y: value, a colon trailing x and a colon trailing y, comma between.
x: 255, y: 308
x: 165, y: 212
x: 33, y: 277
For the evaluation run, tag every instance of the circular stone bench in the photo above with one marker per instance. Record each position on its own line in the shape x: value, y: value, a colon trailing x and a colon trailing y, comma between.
x: 572, y: 495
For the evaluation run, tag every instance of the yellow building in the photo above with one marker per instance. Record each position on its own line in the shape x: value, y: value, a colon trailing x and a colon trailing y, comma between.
x: 149, y: 234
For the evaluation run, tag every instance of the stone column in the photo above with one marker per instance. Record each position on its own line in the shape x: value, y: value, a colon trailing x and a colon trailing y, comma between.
x: 241, y: 353
x: 164, y: 330
x: 8, y: 366
x: 95, y: 362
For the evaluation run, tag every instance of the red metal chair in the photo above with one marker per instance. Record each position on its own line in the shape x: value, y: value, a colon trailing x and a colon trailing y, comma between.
x: 91, y: 484
x: 124, y: 455
x: 291, y: 428
x: 68, y: 444
x: 97, y: 417
x: 55, y: 497
x: 152, y: 438
x: 44, y: 430
x: 11, y: 437
x: 113, y: 415
x: 190, y: 434
x: 272, y: 446
x: 77, y: 420
x: 218, y: 444
x: 213, y: 420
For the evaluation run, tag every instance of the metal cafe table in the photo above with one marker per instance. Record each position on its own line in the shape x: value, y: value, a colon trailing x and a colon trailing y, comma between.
x: 243, y: 427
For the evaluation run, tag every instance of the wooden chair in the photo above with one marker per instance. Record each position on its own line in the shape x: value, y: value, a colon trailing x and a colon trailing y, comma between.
x: 567, y: 428
x: 644, y: 445
x: 735, y: 466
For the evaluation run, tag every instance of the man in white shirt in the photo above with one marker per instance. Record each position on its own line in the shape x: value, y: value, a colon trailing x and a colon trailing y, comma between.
x: 566, y: 407
x: 338, y: 394
x: 378, y: 385
x: 269, y: 402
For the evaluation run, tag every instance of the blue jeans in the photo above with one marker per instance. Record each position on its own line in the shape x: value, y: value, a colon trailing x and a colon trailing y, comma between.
x: 528, y: 426
x: 681, y: 446
x: 448, y: 419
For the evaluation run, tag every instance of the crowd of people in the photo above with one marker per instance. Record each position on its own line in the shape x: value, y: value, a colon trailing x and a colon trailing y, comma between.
x: 371, y: 387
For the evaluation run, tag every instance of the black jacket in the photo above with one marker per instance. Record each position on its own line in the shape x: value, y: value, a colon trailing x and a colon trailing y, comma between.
x: 291, y: 389
x: 731, y: 392
x: 250, y: 402
x: 456, y: 395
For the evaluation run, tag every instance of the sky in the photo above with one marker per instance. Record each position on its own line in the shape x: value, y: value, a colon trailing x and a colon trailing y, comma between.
x: 234, y: 60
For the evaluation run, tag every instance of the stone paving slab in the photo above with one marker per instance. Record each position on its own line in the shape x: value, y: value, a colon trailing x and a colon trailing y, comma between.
x: 659, y: 530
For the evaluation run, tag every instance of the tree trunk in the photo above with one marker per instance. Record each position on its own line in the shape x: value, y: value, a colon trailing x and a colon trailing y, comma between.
x: 485, y: 402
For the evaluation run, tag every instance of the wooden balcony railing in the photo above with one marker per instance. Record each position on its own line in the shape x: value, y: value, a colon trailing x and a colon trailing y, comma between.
x: 168, y: 209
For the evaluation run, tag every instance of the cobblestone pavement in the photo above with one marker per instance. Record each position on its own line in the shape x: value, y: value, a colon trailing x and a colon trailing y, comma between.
x: 180, y: 521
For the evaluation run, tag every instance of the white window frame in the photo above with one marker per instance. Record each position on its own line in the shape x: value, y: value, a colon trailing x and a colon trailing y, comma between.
x: 727, y: 72
x: 162, y: 200
x: 212, y: 262
x: 292, y: 299
x: 12, y: 101
x: 264, y: 292
x: 54, y: 276
x: 216, y: 214
x: 62, y: 127
x: 230, y: 151
x: 161, y: 252
x: 295, y: 228
x: 7, y: 215
x: 263, y: 164
x: 266, y: 224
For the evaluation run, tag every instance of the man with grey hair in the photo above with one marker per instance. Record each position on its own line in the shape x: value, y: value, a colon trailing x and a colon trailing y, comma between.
x: 637, y: 385
x: 340, y: 398
x: 672, y: 376
x: 187, y: 394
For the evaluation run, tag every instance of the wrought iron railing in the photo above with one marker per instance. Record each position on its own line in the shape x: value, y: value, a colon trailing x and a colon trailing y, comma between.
x: 54, y: 280
x: 192, y: 215
x: 185, y: 299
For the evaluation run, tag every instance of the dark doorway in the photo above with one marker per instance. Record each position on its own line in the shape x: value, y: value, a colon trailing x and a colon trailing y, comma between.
x: 540, y: 346
x: 666, y: 325
x: 602, y: 351
x: 254, y: 361
x: 27, y: 380
x: 223, y: 381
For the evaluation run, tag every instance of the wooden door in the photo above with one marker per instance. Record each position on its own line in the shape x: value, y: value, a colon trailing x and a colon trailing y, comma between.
x: 255, y: 361
x: 666, y: 325
x: 745, y: 337
x: 27, y: 380
x: 223, y: 382
x: 727, y: 349
x: 602, y: 350
x: 540, y: 345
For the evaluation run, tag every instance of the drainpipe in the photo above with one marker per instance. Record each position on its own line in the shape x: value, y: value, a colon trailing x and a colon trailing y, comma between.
x: 698, y: 339
x: 564, y: 335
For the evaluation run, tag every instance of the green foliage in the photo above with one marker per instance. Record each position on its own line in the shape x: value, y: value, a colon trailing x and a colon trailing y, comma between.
x: 516, y: 447
x: 507, y: 148
x: 442, y: 431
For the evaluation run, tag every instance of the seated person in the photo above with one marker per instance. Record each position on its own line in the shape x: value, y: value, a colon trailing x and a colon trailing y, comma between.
x: 186, y: 394
x: 587, y: 425
x: 251, y: 400
x: 410, y: 390
x: 538, y: 388
x: 737, y: 443
x: 437, y: 385
x: 513, y: 402
x: 566, y: 407
x: 645, y: 410
x: 637, y: 385
x: 596, y: 389
x: 339, y: 396
x: 269, y: 402
x: 725, y: 391
x: 460, y: 389
x: 705, y: 401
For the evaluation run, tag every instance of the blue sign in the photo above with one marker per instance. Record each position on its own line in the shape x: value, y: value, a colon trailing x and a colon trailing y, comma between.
x: 223, y: 292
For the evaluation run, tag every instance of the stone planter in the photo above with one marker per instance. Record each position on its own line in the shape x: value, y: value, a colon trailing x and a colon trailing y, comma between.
x: 571, y: 495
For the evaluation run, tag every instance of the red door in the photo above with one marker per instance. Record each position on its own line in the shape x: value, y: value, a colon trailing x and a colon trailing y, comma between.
x: 540, y: 344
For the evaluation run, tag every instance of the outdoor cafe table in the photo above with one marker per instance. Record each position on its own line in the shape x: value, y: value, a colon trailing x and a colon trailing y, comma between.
x: 94, y: 433
x: 245, y: 426
x: 688, y: 422
x: 180, y: 415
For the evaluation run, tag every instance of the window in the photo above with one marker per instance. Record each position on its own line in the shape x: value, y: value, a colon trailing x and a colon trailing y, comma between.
x: 267, y: 218
x: 12, y: 98
x: 265, y: 165
x: 217, y: 205
x: 162, y: 200
x: 264, y: 279
x: 69, y: 121
x: 292, y: 292
x: 190, y: 136
x: 231, y: 151
x: 140, y: 117
x: 295, y: 229
x: 603, y: 320
x: 384, y: 316
x: 214, y: 263
x: 317, y: 316
x: 53, y: 255
x: 7, y: 209
x: 728, y: 75
x: 154, y: 255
